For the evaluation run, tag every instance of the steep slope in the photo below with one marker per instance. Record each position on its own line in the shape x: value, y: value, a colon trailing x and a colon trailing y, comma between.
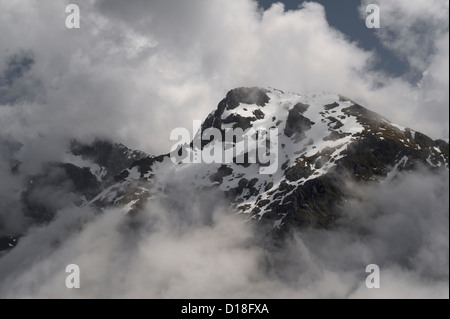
x: 324, y: 140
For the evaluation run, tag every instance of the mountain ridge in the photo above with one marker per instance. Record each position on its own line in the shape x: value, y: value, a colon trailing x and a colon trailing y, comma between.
x: 324, y: 141
x: 356, y: 141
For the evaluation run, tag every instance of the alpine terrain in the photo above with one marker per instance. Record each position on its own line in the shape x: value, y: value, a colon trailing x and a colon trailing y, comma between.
x: 324, y: 142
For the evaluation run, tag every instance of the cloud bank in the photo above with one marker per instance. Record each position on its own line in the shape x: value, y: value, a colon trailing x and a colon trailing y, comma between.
x: 187, y: 251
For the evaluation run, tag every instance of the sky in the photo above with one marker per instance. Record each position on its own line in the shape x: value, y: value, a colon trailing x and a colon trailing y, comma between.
x: 138, y: 69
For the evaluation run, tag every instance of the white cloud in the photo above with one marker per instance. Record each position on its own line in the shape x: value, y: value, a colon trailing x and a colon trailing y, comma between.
x: 187, y: 251
x: 411, y: 28
x: 418, y: 31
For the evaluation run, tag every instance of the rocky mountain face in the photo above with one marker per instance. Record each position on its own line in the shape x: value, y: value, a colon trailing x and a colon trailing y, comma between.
x: 86, y: 170
x: 324, y: 141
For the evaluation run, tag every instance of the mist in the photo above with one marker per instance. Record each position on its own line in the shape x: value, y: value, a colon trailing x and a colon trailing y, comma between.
x: 185, y: 246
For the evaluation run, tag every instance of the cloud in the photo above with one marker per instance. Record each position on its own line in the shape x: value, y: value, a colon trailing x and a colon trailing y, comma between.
x: 418, y: 32
x: 15, y: 83
x: 198, y: 250
x: 412, y: 29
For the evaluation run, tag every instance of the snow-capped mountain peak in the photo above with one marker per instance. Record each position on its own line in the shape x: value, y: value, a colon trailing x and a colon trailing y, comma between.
x: 315, y: 145
x: 321, y: 138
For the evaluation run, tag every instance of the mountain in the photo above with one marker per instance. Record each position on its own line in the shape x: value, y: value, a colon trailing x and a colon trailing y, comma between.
x: 86, y: 169
x: 323, y: 142
x: 324, y: 139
